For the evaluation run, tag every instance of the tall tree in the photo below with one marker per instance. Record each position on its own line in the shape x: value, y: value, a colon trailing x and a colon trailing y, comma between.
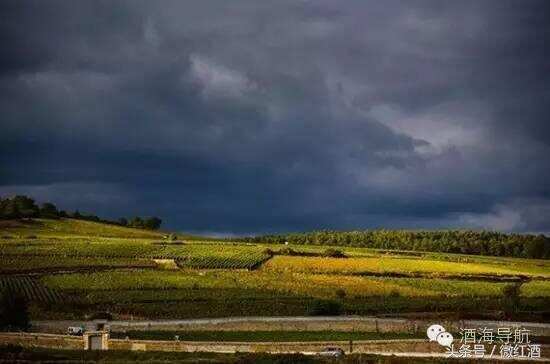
x: 152, y: 223
x: 13, y: 311
x: 48, y: 210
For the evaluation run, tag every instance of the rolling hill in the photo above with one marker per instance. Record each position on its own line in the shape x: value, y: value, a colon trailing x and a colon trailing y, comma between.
x: 66, y: 227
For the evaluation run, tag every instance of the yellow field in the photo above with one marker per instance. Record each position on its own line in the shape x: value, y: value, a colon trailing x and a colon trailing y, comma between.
x: 381, y: 265
x: 295, y: 284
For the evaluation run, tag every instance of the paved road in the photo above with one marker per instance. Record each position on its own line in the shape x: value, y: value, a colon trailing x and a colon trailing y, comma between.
x: 316, y: 323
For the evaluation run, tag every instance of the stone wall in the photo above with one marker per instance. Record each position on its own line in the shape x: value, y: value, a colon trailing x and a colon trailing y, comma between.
x: 52, y: 341
x: 370, y: 346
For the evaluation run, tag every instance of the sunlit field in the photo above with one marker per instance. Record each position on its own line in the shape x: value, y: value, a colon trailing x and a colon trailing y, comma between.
x: 142, y: 276
x: 401, y: 265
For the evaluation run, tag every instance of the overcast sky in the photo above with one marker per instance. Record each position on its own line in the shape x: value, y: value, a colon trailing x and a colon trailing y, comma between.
x: 245, y: 117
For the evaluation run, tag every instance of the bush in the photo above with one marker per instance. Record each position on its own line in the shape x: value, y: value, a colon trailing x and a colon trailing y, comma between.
x: 511, y: 298
x: 269, y: 252
x: 340, y: 293
x: 333, y: 253
x: 324, y: 308
x: 287, y: 251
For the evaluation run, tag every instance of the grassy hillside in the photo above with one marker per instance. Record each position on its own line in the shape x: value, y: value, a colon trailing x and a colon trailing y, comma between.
x: 69, y: 228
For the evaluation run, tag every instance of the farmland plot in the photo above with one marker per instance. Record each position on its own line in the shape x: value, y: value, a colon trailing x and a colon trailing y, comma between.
x: 296, y: 284
x: 111, y: 249
x: 36, y: 264
x: 31, y: 289
x: 390, y: 265
x: 216, y: 256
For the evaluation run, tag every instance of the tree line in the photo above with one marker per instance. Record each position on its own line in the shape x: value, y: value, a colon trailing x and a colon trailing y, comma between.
x: 445, y: 241
x: 20, y: 207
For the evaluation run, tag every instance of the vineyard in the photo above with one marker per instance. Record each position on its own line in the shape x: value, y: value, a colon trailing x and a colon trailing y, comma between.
x: 236, y: 262
x: 81, y: 248
x: 49, y: 263
x: 296, y: 284
x: 405, y: 266
x: 155, y: 277
x: 31, y: 289
x: 55, y: 254
x: 225, y: 257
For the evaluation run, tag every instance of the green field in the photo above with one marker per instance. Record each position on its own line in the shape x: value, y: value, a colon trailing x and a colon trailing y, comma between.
x: 42, y: 264
x: 69, y: 228
x: 130, y: 272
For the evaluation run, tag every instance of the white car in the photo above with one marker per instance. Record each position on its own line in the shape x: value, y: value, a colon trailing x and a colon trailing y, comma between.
x: 75, y: 330
x: 333, y: 352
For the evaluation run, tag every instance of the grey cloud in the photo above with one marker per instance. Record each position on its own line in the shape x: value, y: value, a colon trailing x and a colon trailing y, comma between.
x: 262, y: 116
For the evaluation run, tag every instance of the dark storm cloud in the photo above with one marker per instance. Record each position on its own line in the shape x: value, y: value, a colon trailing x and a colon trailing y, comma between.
x: 249, y: 116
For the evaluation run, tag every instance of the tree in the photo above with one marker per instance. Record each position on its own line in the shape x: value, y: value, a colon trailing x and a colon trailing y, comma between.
x: 122, y: 221
x: 10, y: 210
x: 91, y: 218
x: 152, y: 223
x: 136, y: 222
x: 26, y: 206
x: 536, y: 248
x: 18, y: 207
x: 13, y: 311
x: 48, y: 210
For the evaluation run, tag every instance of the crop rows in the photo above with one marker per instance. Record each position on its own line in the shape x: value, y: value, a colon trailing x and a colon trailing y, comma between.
x: 15, y: 264
x: 122, y: 249
x: 82, y: 249
x: 53, y: 255
x: 31, y: 289
x: 390, y: 265
x: 236, y: 261
x: 278, y: 284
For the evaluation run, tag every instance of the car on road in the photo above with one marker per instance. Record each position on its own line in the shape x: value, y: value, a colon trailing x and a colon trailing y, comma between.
x: 75, y: 330
x: 332, y: 352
